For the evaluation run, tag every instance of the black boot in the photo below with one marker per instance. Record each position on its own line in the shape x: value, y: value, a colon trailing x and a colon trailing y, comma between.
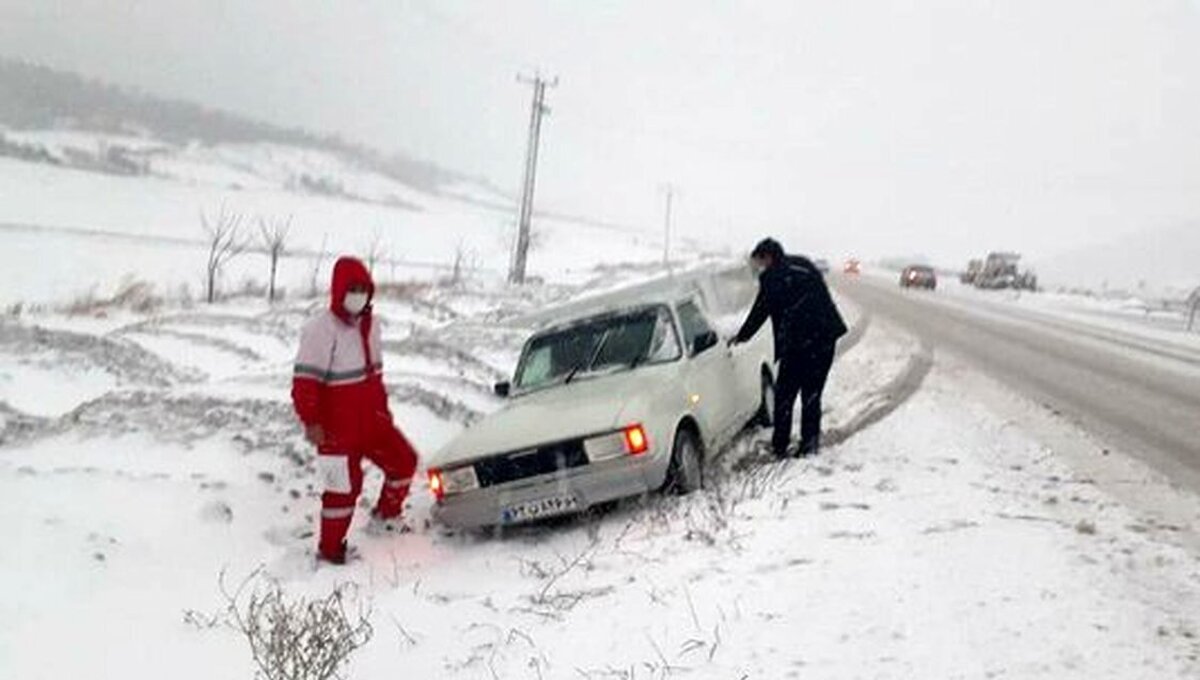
x: 809, y: 448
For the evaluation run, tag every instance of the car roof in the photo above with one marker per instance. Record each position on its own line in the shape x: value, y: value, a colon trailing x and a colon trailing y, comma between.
x: 710, y: 284
x: 600, y: 313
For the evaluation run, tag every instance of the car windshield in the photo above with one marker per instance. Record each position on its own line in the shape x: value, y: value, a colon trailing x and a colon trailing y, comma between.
x: 613, y: 342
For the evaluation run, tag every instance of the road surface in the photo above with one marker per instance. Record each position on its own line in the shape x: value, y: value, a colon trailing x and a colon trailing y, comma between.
x: 1140, y: 395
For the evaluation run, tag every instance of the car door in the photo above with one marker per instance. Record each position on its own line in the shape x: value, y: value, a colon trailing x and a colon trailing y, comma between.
x: 710, y: 375
x: 748, y: 360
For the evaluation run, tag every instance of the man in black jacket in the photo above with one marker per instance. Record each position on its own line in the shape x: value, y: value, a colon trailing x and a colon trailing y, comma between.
x: 793, y: 294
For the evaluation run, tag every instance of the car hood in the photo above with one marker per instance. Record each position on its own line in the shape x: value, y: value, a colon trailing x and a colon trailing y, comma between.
x: 585, y: 406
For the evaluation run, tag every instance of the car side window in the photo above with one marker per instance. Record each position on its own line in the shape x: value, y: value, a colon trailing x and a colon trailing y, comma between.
x: 695, y: 327
x: 664, y: 345
x: 538, y: 367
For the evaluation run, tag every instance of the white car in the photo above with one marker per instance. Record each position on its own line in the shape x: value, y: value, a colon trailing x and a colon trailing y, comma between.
x: 612, y: 404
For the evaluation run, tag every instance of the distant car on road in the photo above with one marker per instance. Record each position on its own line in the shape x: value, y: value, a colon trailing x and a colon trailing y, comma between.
x: 852, y: 266
x: 612, y: 404
x: 918, y: 276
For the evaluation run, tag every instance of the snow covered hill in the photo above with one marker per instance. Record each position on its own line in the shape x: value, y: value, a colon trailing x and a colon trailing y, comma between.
x: 74, y: 228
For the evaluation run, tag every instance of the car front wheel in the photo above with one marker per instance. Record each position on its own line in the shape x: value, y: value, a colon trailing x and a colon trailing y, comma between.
x: 685, y: 473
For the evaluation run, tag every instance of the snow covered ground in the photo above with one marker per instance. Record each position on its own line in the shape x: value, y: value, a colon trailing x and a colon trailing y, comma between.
x: 145, y: 453
x: 140, y: 457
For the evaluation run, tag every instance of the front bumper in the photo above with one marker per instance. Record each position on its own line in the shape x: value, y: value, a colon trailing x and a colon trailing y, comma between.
x: 589, y: 485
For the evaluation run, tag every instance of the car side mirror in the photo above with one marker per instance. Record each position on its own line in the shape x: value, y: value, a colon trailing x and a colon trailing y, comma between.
x: 704, y: 341
x: 502, y: 389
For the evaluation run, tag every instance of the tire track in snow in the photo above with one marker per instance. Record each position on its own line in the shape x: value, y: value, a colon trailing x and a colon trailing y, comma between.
x: 125, y: 360
x: 202, y: 340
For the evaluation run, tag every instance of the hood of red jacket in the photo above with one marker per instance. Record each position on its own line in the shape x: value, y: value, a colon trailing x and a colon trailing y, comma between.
x: 348, y: 271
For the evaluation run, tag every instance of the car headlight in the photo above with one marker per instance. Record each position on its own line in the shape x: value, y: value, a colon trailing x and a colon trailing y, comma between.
x: 604, y: 447
x: 459, y: 479
x: 628, y: 441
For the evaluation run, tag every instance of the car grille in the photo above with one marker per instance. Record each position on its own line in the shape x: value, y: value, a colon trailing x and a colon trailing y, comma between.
x: 531, y: 462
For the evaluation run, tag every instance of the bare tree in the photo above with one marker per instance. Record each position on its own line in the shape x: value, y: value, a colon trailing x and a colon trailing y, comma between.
x: 313, y: 289
x: 274, y: 233
x: 466, y: 261
x: 374, y: 251
x: 222, y: 233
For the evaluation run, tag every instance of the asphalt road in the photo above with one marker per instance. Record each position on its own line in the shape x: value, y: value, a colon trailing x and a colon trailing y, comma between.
x: 1140, y: 396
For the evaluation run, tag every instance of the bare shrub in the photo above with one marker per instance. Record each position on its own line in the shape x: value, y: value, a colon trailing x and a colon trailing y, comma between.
x: 402, y: 290
x: 136, y: 295
x: 132, y: 294
x: 552, y: 601
x: 464, y: 265
x: 297, y: 638
x: 707, y: 517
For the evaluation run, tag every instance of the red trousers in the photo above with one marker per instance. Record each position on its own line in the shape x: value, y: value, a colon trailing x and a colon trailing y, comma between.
x: 342, y: 472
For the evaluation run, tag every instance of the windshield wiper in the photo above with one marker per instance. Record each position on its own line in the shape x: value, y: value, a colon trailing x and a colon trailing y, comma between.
x: 590, y: 360
x: 637, y: 360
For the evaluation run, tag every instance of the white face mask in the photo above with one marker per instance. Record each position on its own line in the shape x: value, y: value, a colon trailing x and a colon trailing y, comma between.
x: 355, y: 302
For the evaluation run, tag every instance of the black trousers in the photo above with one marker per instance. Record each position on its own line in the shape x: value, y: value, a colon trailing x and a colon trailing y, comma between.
x: 802, y: 374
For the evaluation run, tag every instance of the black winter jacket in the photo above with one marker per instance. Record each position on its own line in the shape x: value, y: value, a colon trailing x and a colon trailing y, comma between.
x: 793, y: 294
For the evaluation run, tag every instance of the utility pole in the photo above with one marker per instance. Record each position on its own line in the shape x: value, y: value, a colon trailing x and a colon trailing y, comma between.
x: 516, y: 270
x: 669, y: 190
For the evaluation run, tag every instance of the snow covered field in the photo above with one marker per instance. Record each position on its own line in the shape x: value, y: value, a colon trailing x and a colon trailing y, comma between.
x: 142, y: 456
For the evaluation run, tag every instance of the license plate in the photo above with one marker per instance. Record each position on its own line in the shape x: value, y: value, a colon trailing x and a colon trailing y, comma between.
x: 543, y: 507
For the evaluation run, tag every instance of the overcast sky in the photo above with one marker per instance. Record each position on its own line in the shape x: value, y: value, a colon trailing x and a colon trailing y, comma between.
x: 943, y: 128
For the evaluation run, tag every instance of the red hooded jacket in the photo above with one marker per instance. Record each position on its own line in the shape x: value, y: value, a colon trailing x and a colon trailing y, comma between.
x: 337, y: 380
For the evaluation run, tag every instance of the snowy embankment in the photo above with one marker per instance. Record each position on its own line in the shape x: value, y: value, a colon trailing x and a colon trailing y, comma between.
x: 939, y: 542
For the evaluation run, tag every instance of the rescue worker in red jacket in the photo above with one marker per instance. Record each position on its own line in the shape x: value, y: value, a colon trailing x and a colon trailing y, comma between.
x: 338, y: 393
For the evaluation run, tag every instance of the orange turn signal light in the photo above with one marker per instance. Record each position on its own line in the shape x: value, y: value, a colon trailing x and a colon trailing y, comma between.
x: 436, y: 485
